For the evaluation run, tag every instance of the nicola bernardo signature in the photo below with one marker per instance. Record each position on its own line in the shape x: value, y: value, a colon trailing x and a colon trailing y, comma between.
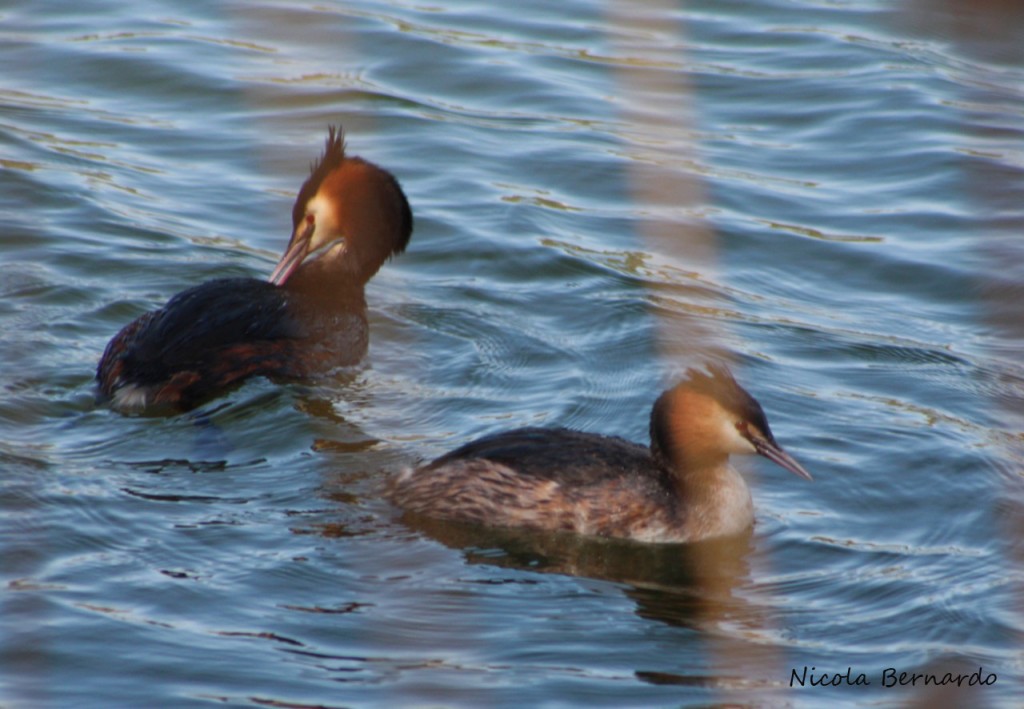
x: 889, y: 677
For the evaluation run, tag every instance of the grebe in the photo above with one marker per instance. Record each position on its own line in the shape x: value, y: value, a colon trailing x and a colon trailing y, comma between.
x: 309, y: 317
x: 681, y: 489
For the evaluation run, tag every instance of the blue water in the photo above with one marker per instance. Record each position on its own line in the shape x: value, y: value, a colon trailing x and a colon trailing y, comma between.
x: 827, y: 194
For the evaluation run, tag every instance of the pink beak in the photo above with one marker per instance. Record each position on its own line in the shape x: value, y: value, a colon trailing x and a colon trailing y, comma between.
x: 773, y: 452
x: 298, y: 249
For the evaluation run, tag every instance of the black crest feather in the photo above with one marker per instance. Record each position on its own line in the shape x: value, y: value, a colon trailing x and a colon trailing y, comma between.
x: 334, y: 155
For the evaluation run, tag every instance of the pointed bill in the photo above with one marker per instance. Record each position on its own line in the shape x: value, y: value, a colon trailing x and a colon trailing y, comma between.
x: 773, y: 452
x: 297, y: 251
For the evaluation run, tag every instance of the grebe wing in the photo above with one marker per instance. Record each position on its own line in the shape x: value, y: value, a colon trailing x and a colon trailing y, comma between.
x: 214, y: 315
x: 561, y: 454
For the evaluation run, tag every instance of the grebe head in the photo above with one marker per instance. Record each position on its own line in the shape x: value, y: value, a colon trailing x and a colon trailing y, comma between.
x: 350, y: 216
x: 705, y: 418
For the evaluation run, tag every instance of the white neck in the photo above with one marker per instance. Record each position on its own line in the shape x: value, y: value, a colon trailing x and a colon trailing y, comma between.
x: 722, y: 506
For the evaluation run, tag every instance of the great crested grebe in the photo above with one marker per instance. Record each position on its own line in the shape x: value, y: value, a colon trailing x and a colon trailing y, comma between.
x: 309, y: 317
x: 681, y: 489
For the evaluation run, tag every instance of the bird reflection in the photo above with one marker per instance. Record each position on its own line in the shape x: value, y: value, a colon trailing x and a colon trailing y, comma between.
x: 677, y: 584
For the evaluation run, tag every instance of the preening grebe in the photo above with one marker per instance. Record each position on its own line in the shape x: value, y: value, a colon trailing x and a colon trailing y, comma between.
x: 681, y: 489
x: 309, y: 317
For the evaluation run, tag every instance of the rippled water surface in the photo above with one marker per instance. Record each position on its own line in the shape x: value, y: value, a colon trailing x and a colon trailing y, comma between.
x: 829, y: 194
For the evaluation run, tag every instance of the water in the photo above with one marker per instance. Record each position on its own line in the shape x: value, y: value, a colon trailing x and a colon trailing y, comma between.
x: 827, y: 193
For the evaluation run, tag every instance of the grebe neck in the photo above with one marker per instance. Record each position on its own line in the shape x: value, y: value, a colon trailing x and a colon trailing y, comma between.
x: 715, y: 501
x: 330, y: 285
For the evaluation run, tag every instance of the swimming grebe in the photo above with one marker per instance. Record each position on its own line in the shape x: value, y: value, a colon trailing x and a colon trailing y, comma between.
x: 681, y: 489
x: 309, y: 317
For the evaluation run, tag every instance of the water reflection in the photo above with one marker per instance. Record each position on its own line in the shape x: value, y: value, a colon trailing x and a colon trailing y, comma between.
x: 696, y: 588
x: 686, y: 585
